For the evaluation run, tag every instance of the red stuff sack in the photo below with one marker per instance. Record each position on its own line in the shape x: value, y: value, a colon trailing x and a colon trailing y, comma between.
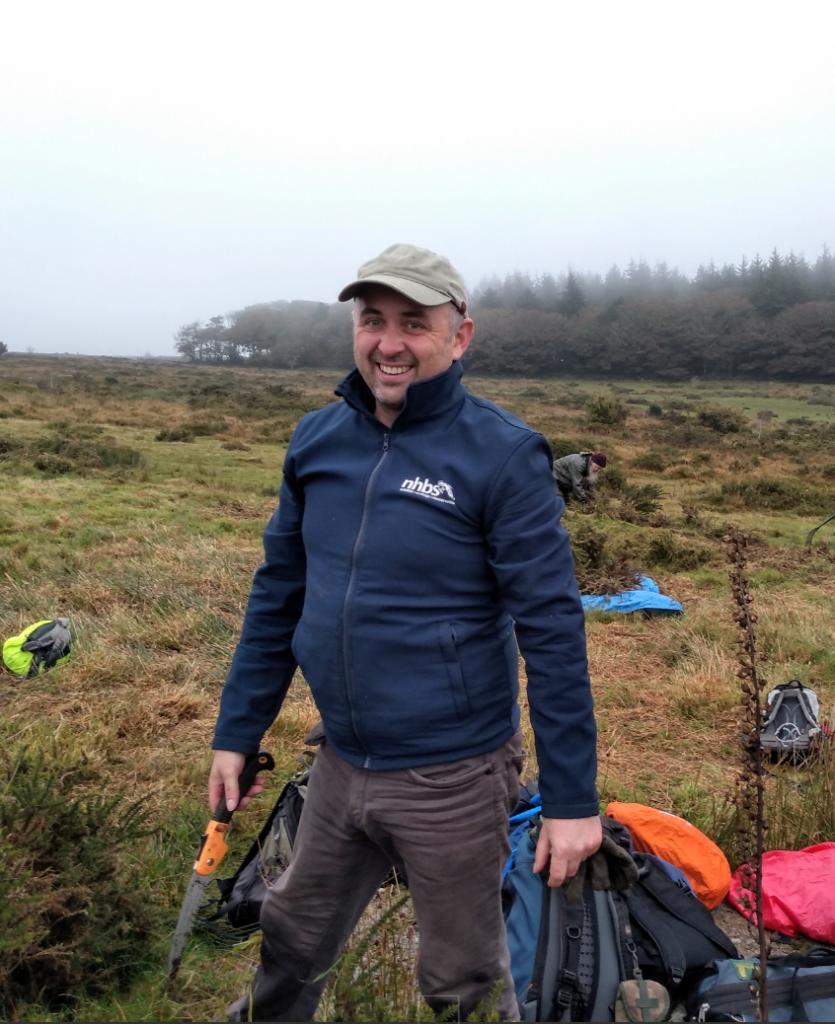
x: 798, y: 892
x: 678, y: 842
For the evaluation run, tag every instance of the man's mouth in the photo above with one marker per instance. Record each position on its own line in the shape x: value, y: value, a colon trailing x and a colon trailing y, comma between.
x: 392, y: 369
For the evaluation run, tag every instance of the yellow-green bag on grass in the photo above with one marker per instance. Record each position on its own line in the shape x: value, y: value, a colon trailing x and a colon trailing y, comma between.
x: 40, y: 647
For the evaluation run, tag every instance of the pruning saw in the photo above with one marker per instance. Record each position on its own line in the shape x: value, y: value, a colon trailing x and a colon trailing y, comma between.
x: 211, y: 852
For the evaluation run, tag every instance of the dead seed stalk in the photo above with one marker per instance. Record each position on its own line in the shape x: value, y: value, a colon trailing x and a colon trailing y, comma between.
x: 751, y: 780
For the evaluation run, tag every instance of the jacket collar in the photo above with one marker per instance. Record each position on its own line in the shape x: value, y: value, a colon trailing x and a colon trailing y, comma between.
x: 425, y: 400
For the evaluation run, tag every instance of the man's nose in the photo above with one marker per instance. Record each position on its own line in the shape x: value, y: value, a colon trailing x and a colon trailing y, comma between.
x: 391, y: 341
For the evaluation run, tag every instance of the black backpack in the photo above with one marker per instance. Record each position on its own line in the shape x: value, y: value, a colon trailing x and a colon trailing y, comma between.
x: 236, y: 913
x: 675, y: 934
x: 791, y: 727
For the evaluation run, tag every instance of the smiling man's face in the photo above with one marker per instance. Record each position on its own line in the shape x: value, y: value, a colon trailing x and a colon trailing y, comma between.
x: 398, y: 342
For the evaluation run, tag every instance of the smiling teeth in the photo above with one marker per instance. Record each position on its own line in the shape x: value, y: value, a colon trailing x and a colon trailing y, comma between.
x: 393, y: 370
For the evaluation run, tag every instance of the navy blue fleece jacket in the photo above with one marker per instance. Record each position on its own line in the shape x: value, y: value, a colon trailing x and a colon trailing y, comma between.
x: 398, y: 566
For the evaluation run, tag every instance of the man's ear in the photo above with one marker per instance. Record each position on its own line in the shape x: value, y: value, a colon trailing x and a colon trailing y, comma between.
x: 462, y: 339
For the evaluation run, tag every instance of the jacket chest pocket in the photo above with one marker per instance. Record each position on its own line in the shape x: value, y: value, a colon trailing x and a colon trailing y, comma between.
x: 455, y: 674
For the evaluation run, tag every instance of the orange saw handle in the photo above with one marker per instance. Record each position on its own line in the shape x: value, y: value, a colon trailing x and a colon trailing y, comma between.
x: 213, y: 842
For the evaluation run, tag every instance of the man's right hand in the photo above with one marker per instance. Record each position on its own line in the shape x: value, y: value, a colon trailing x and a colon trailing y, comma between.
x: 223, y: 781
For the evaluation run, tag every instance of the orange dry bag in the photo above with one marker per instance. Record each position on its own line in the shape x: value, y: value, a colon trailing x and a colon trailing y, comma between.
x: 680, y: 843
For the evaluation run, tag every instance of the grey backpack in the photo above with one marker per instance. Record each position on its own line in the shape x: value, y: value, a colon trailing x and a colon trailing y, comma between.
x: 791, y: 724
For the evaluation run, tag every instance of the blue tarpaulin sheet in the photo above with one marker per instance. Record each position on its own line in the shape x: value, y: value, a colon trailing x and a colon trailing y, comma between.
x: 647, y: 599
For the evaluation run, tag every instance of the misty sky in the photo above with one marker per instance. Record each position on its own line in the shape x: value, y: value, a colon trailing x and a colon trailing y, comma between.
x: 166, y: 162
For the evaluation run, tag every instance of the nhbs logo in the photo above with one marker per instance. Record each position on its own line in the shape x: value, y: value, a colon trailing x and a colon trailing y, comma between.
x: 441, y: 491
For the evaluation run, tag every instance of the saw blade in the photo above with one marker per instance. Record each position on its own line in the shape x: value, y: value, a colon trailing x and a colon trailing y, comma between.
x: 192, y: 902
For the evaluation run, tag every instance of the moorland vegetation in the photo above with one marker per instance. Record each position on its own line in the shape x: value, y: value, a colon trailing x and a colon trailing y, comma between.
x: 133, y: 498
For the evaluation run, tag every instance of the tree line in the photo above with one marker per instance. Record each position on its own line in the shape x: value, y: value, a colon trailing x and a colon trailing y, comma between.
x: 763, y: 318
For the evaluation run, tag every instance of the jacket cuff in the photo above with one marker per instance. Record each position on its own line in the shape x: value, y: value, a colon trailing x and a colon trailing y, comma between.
x: 589, y: 810
x: 235, y: 743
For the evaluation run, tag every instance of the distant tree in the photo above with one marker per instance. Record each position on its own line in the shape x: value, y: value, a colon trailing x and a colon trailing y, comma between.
x: 707, y: 278
x: 515, y: 285
x: 782, y: 283
x: 594, y: 288
x: 614, y: 286
x: 490, y: 299
x: 3, y: 347
x: 548, y: 293
x: 823, y: 275
x: 639, y: 277
x: 661, y: 279
x: 729, y: 276
x: 187, y: 341
x: 800, y: 342
x: 572, y: 300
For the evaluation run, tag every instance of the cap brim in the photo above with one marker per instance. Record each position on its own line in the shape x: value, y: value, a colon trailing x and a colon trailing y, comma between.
x: 419, y: 293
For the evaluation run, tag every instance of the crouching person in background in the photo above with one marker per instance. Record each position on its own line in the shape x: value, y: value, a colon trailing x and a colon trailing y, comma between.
x: 576, y: 475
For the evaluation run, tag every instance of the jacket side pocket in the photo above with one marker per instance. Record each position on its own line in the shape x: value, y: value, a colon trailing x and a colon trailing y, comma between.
x: 455, y: 674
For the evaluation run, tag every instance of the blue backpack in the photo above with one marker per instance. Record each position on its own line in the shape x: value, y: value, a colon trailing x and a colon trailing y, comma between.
x: 801, y: 986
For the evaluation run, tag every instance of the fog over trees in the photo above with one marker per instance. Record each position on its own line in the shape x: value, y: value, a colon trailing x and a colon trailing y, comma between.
x: 761, y: 318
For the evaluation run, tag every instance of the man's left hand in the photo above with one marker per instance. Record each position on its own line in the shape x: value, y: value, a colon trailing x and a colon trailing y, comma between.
x: 566, y: 841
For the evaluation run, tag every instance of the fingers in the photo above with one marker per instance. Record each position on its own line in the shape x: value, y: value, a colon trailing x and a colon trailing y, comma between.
x: 560, y: 871
x: 223, y: 778
x: 566, y: 842
x: 223, y: 781
x: 543, y: 852
x: 254, y: 790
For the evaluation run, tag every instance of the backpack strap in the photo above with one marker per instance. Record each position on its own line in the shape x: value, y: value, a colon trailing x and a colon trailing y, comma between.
x: 798, y: 1009
x: 548, y: 955
x: 775, y: 706
x: 805, y: 704
x: 610, y: 969
x: 567, y: 989
x: 816, y: 956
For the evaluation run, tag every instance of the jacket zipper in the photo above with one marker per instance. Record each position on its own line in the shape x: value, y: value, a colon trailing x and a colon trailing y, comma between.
x: 359, y: 540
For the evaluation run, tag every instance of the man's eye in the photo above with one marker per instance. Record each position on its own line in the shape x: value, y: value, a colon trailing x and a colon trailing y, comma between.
x: 413, y: 325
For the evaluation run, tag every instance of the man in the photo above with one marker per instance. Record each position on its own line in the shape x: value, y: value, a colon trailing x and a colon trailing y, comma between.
x: 576, y: 475
x: 416, y: 525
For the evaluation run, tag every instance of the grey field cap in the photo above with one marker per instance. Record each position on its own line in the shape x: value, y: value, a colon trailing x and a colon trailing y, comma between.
x: 420, y: 275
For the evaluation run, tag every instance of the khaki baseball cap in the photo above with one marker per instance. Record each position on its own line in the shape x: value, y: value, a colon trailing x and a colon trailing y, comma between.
x: 420, y: 275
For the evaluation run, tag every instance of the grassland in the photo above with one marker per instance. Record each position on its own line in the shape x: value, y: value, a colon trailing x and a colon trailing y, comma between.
x: 149, y: 544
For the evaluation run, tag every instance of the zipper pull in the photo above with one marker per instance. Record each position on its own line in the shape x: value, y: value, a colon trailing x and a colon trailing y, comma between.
x: 703, y: 1011
x: 386, y: 441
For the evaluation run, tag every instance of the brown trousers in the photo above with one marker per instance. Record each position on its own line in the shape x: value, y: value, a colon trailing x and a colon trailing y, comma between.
x: 446, y: 824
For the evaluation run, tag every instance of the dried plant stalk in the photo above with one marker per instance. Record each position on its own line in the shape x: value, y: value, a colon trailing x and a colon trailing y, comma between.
x: 751, y: 781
